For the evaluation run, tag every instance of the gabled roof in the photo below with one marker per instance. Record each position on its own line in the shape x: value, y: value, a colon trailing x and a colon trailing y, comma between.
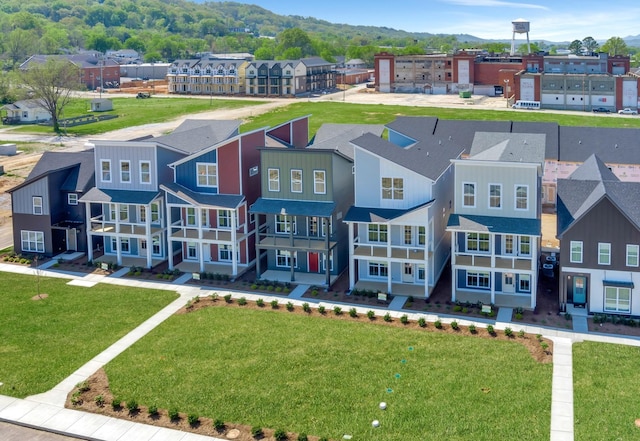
x: 551, y: 130
x: 119, y: 196
x: 424, y: 157
x: 587, y: 186
x: 293, y: 207
x: 193, y: 136
x: 80, y: 165
x: 229, y: 201
x: 338, y: 137
x: 24, y: 104
x: 611, y: 145
x: 315, y: 61
x: 494, y: 224
x: 508, y: 147
x: 459, y: 134
x: 379, y: 215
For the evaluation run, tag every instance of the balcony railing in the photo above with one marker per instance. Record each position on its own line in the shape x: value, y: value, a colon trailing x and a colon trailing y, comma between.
x: 179, y: 230
x: 397, y: 251
x: 484, y: 260
x: 98, y: 224
x: 268, y: 239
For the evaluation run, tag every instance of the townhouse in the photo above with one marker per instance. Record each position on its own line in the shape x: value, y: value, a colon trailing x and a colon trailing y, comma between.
x: 496, y: 224
x: 599, y: 231
x: 47, y: 216
x: 206, y: 76
x: 403, y: 187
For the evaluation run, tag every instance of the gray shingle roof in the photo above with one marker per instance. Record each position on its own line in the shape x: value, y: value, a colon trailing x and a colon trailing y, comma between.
x: 508, y: 147
x: 119, y: 196
x: 231, y: 201
x: 611, y: 145
x: 378, y: 215
x: 593, y: 169
x: 80, y: 165
x: 495, y: 224
x: 293, y: 207
x: 339, y: 136
x: 193, y: 136
x: 552, y: 130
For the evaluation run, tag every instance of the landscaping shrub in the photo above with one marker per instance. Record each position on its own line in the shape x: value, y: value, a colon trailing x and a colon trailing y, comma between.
x: 508, y: 332
x: 454, y: 325
x: 242, y: 301
x: 174, y: 414
x: 280, y: 435
x: 99, y: 400
x: 518, y: 316
x: 256, y: 432
x: 254, y: 286
x: 371, y: 315
x: 314, y: 292
x: 457, y: 308
x: 437, y: 324
x: 387, y: 317
x: 132, y: 406
x: 490, y: 329
x: 404, y: 319
x: 115, y: 404
x: 472, y: 329
x: 539, y: 337
x: 322, y: 309
x: 306, y: 308
x: 260, y: 303
x: 521, y: 333
x: 303, y: 437
x: 227, y: 298
x: 274, y: 304
x: 337, y: 310
x: 289, y: 306
x: 544, y: 345
x: 465, y: 310
x: 219, y: 425
x: 353, y: 313
x: 278, y: 289
x: 153, y: 410
x: 422, y: 322
x: 83, y: 386
x: 193, y: 419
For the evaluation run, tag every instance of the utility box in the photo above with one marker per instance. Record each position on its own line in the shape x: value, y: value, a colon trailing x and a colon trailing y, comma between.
x: 8, y: 149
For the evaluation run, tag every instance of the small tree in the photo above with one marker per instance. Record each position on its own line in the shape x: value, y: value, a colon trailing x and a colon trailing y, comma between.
x: 576, y: 47
x: 53, y: 83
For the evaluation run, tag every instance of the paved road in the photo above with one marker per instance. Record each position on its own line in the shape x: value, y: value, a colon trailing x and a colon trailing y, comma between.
x: 12, y: 432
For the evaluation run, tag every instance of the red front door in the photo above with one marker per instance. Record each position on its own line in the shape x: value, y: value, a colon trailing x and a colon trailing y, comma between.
x: 313, y: 262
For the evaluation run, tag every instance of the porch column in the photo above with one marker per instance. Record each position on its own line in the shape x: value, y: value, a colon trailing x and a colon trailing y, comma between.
x: 388, y: 261
x: 291, y: 251
x: 562, y: 291
x: 257, y: 253
x: 147, y: 221
x: 118, y: 244
x: 492, y: 247
x: 87, y: 213
x: 234, y: 244
x: 352, y: 264
x: 454, y: 237
x: 169, y: 243
x: 492, y: 282
x: 327, y: 260
x: 535, y: 261
x: 426, y: 262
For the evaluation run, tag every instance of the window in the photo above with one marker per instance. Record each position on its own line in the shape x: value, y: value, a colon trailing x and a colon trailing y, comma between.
x: 155, y: 213
x: 37, y: 205
x: 190, y: 217
x: 393, y: 188
x: 72, y: 199
x: 145, y: 172
x: 207, y: 174
x: 478, y: 242
x: 105, y: 167
x: 469, y: 194
x: 632, y: 255
x: 477, y: 280
x: 324, y: 263
x: 312, y: 226
x: 408, y: 235
x: 296, y: 181
x: 421, y: 236
x: 192, y: 250
x: 124, y: 212
x: 224, y: 218
x: 283, y: 224
x: 319, y: 182
x: 525, y: 245
x: 32, y: 241
x: 576, y: 252
x: 283, y: 259
x: 495, y: 196
x: 604, y: 254
x: 522, y: 197
x: 421, y: 272
x: 124, y: 245
x: 508, y: 244
x: 377, y: 233
x: 225, y: 252
x: 125, y: 171
x: 142, y: 214
x: 274, y: 179
x: 204, y: 217
x: 155, y: 246
x: 617, y: 299
x: 525, y: 283
x: 378, y: 269
x: 112, y: 212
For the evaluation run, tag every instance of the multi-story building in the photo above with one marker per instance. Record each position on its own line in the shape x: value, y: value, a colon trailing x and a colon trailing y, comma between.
x: 206, y: 76
x: 599, y: 232
x: 285, y: 78
x: 48, y: 217
x: 496, y: 224
x: 403, y: 187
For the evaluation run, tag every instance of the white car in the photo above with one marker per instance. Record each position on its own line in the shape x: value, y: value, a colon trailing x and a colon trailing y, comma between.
x: 628, y: 111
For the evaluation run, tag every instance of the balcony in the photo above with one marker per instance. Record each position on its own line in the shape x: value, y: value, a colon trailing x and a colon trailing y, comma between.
x: 472, y: 260
x: 182, y: 232
x: 99, y: 225
x: 484, y: 261
x: 400, y: 252
x: 519, y: 263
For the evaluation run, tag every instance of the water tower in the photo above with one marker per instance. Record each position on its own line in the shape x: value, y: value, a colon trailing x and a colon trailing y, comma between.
x: 520, y: 26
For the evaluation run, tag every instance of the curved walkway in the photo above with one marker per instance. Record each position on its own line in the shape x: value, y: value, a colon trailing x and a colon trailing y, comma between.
x: 46, y: 411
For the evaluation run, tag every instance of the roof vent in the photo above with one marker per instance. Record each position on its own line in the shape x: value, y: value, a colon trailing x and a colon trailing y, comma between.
x: 427, y: 153
x: 449, y: 137
x: 580, y: 142
x: 439, y: 142
x: 616, y: 145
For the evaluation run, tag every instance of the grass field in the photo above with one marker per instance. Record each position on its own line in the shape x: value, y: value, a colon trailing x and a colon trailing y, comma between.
x: 331, y: 112
x: 605, y: 391
x: 44, y: 341
x: 135, y: 112
x: 327, y: 377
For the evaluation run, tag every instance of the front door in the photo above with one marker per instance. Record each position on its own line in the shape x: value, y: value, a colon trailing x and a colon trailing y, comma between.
x: 407, y: 274
x: 508, y: 284
x: 71, y: 239
x: 313, y: 263
x: 579, y: 290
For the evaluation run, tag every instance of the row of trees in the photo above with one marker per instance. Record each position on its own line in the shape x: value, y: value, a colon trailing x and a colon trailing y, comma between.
x: 613, y: 46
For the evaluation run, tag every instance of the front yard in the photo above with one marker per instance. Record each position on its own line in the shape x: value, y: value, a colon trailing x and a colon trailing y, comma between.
x: 45, y: 337
x: 308, y: 374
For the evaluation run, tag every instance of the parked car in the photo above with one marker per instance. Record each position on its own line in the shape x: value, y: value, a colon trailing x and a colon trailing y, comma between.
x: 601, y: 110
x: 143, y: 95
x: 628, y: 111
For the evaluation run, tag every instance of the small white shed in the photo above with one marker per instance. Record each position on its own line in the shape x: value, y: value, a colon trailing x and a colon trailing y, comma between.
x: 101, y: 105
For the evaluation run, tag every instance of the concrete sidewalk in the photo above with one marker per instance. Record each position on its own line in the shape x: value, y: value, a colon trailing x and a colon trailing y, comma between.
x: 46, y: 411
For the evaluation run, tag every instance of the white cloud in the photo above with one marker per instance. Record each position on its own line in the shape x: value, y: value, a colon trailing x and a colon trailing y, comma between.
x: 496, y: 4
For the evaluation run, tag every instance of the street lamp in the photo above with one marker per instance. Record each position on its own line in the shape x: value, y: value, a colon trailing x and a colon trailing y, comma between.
x: 506, y: 91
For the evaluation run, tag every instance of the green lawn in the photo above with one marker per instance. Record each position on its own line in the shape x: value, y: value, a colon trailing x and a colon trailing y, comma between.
x: 327, y: 377
x: 331, y: 112
x: 44, y: 341
x: 135, y: 112
x: 605, y: 391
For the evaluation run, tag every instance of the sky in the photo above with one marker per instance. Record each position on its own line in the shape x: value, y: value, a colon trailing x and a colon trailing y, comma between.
x: 553, y: 20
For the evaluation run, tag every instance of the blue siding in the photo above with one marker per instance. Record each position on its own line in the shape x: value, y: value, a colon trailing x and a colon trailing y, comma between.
x: 498, y: 282
x: 186, y: 173
x: 462, y: 244
x: 498, y: 244
x: 462, y: 278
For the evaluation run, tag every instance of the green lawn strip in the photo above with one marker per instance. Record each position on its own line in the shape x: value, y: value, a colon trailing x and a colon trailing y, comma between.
x: 328, y: 112
x: 135, y: 112
x: 44, y: 341
x: 605, y: 391
x: 327, y: 377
